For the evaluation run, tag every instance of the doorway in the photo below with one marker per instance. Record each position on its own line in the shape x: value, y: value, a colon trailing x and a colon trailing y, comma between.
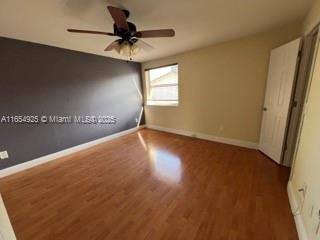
x: 300, y: 91
x: 284, y: 146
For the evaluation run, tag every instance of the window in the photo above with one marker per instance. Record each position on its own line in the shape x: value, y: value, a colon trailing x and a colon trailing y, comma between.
x: 162, y: 85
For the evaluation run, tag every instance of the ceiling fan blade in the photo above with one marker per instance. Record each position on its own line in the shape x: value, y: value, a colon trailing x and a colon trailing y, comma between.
x: 119, y: 18
x: 143, y: 45
x: 155, y: 33
x: 112, y: 46
x: 90, y: 32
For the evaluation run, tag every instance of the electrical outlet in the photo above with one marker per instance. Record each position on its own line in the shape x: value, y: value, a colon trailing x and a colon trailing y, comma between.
x: 137, y: 120
x: 316, y: 220
x: 314, y: 214
x: 4, y: 155
x: 318, y: 224
x: 311, y: 210
x: 303, y: 190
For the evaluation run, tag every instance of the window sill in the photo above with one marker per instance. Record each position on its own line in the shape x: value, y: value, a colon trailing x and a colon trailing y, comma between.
x: 163, y: 103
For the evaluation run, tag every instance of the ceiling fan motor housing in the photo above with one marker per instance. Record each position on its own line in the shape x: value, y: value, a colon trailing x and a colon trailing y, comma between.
x: 125, y: 35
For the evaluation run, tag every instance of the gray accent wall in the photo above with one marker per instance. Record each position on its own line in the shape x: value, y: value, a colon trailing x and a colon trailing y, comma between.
x: 40, y: 80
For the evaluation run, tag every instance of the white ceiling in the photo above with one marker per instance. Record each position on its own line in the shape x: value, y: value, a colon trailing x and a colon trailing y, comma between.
x: 197, y: 23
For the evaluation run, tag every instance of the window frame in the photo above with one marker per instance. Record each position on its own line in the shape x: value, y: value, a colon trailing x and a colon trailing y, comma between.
x: 150, y: 102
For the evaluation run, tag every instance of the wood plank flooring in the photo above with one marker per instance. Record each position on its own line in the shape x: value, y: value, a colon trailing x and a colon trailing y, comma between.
x: 152, y: 185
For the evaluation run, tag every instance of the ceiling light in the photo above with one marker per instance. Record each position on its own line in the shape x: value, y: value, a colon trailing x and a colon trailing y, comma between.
x: 127, y: 49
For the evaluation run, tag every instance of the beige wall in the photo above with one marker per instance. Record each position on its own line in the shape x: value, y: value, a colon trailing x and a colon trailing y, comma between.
x: 313, y: 17
x: 307, y: 164
x: 221, y: 87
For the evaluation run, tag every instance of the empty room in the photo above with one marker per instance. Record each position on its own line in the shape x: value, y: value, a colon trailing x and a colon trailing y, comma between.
x: 170, y: 120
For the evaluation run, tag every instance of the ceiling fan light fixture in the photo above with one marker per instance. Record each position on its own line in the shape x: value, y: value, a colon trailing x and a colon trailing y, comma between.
x: 135, y: 49
x: 127, y: 49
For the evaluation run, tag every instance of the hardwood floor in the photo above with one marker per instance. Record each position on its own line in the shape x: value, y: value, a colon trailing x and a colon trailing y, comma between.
x: 152, y: 185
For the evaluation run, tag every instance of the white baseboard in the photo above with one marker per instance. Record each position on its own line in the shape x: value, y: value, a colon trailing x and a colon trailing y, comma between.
x: 41, y: 160
x: 297, y: 218
x: 229, y: 141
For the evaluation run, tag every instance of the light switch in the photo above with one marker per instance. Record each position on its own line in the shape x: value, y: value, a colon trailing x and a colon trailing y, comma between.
x: 4, y: 155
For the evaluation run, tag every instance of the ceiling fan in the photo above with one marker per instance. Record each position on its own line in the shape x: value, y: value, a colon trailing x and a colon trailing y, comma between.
x: 130, y: 39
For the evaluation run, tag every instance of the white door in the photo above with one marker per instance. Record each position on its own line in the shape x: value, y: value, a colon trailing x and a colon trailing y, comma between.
x: 282, y: 70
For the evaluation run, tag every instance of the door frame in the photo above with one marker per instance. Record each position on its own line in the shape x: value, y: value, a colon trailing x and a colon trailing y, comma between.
x: 298, y: 97
x: 313, y: 56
